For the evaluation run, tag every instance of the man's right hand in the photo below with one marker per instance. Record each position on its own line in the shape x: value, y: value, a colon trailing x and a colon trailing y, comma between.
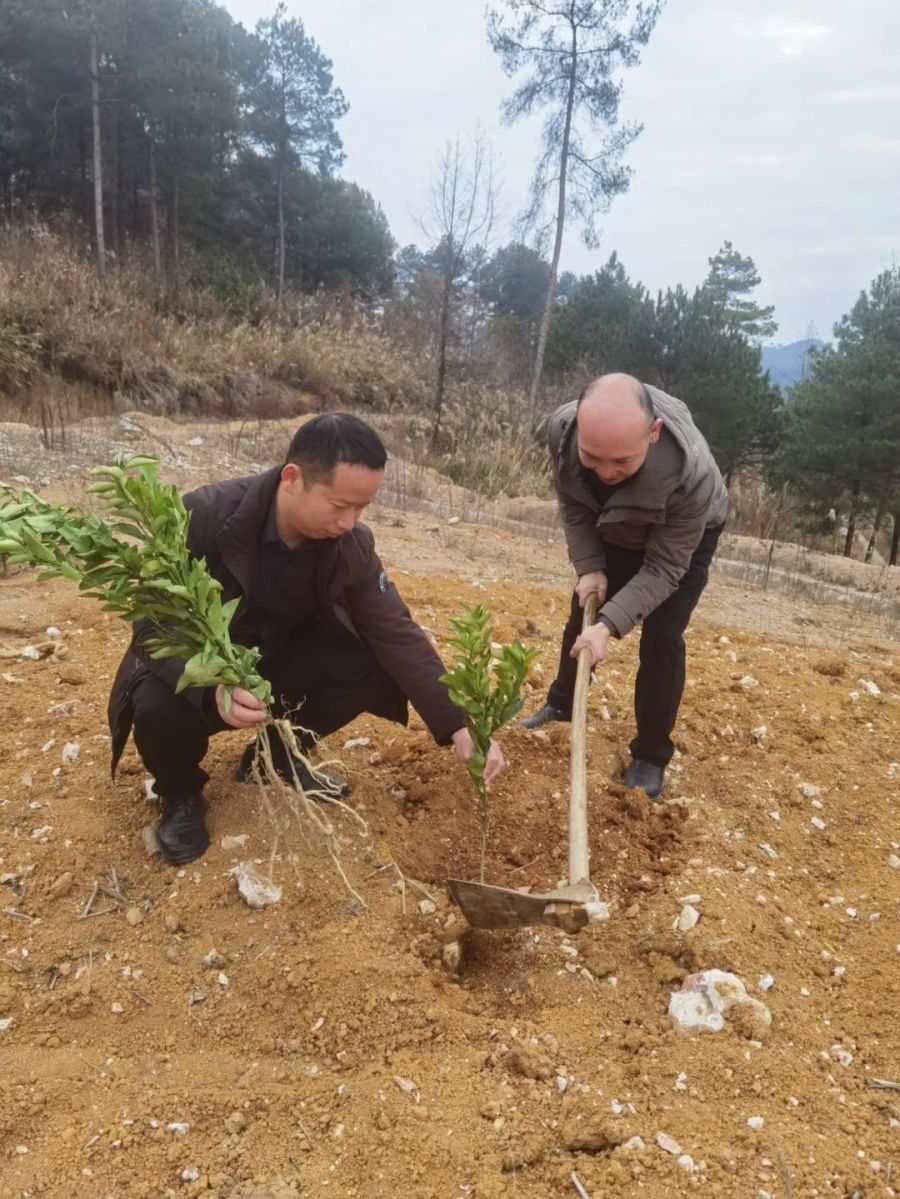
x: 246, y: 709
x: 595, y: 581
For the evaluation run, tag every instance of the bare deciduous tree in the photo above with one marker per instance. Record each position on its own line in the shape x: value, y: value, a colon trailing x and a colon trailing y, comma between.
x: 571, y: 50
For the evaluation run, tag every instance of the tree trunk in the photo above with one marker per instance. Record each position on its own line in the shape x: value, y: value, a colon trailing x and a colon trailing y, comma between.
x: 280, y: 288
x: 557, y: 249
x: 876, y: 526
x: 443, y: 337
x: 115, y: 193
x: 98, y: 156
x: 851, y: 521
x: 895, y: 539
x: 173, y: 213
x: 154, y: 218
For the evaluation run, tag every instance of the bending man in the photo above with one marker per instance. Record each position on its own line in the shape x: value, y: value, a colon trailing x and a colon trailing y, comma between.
x: 335, y: 637
x: 643, y: 504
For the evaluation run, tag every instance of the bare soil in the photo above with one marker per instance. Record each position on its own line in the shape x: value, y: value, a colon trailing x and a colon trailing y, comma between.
x: 328, y: 1051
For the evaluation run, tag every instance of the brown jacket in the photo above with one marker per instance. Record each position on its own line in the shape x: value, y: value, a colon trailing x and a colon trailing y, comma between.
x: 664, y: 509
x: 355, y: 598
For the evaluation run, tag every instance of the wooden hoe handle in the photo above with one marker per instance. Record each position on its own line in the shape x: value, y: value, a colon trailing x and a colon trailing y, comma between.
x: 579, y: 853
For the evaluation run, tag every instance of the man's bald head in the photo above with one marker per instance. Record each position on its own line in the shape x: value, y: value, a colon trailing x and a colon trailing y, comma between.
x: 616, y: 426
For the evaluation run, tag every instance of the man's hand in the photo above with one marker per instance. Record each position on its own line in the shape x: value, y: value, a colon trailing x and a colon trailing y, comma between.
x: 465, y: 747
x: 594, y: 581
x: 596, y: 639
x: 246, y: 709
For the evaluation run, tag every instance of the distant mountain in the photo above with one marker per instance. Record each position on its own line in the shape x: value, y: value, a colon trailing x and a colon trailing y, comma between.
x: 787, y: 364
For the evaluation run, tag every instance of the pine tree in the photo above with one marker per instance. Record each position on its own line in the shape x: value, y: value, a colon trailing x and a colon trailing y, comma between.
x: 730, y: 280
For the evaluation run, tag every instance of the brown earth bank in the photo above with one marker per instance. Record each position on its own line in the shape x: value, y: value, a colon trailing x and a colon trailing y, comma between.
x: 182, y: 1043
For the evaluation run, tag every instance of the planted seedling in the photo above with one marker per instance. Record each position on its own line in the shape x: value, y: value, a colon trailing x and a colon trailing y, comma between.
x: 485, y: 680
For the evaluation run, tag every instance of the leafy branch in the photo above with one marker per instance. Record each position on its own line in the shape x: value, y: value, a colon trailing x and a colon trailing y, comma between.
x: 486, y: 681
x: 135, y: 559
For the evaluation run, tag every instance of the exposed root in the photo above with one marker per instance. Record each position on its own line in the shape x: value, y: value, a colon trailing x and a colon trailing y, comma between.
x: 293, y: 810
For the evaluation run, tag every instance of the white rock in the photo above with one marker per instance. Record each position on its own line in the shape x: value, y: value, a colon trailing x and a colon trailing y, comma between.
x: 597, y: 911
x: 30, y: 653
x: 238, y: 842
x: 454, y: 520
x: 766, y: 982
x: 809, y: 790
x: 149, y: 789
x: 756, y: 1123
x: 686, y: 1162
x: 70, y: 752
x: 704, y: 999
x: 854, y: 696
x: 894, y: 862
x: 223, y: 979
x: 667, y: 1143
x: 39, y: 834
x: 116, y: 1008
x: 759, y: 733
x: 561, y: 1082
x: 841, y: 1056
x: 357, y: 743
x: 817, y: 822
x: 52, y: 631
x: 213, y: 960
x: 195, y: 441
x: 5, y: 1023
x: 749, y: 681
x: 178, y: 1126
x: 686, y: 919
x: 427, y: 907
x: 256, y: 890
x: 190, y: 1173
x: 407, y: 1086
x: 680, y: 1082
x: 870, y: 687
x: 634, y: 1143
x: 693, y: 898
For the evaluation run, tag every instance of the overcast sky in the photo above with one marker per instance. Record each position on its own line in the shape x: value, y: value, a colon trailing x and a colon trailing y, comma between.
x: 773, y: 125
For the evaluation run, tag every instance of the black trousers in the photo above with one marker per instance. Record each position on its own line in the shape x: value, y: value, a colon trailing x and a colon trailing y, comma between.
x: 324, y: 681
x: 660, y: 677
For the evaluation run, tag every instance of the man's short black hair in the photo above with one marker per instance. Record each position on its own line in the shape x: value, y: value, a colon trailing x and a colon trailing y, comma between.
x: 330, y: 439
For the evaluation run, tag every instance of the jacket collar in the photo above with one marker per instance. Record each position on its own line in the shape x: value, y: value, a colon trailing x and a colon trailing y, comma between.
x: 238, y: 540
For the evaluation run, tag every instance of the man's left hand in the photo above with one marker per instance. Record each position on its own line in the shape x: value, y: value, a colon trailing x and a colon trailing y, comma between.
x: 596, y: 639
x: 465, y: 747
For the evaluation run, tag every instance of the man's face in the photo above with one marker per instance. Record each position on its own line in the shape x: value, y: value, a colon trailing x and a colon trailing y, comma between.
x: 324, y: 510
x: 617, y: 449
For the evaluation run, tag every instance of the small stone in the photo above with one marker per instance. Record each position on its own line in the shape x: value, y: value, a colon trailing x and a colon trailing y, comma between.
x: 759, y: 733
x: 190, y: 1173
x: 237, y: 842
x: 686, y: 1162
x: 766, y: 982
x: 236, y: 1123
x: 357, y: 743
x: 818, y: 822
x: 686, y: 919
x: 894, y: 862
x: 749, y: 681
x: 756, y: 1123
x: 255, y: 890
x: 70, y: 752
x: 668, y: 1144
x: 172, y: 922
x: 116, y: 1008
x: 195, y: 441
x: 213, y: 960
x: 809, y: 790
x: 634, y: 1143
x: 134, y: 917
x: 178, y: 1126
x: 869, y: 687
x: 427, y: 907
x: 196, y: 997
x: 62, y: 886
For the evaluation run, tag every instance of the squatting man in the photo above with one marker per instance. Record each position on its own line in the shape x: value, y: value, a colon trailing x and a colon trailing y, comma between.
x: 335, y: 637
x: 642, y: 504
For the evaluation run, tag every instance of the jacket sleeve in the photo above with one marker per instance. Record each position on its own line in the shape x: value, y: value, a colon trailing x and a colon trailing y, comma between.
x: 384, y: 622
x: 667, y: 556
x: 170, y: 670
x: 583, y: 542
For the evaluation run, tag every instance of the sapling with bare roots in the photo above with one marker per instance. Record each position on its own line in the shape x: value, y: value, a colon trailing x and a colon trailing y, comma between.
x: 486, y: 681
x: 135, y: 559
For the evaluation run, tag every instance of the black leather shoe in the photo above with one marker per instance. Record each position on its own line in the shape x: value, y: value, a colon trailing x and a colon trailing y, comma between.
x: 310, y: 780
x: 644, y: 776
x: 541, y: 717
x: 181, y: 831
